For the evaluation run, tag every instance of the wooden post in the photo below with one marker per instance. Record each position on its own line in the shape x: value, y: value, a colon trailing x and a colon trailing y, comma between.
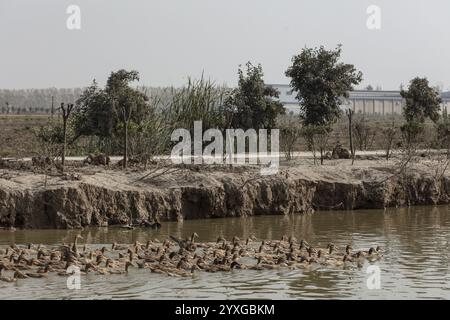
x: 65, y: 114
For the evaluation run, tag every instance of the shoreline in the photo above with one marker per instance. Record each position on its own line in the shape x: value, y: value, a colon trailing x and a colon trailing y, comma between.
x: 94, y: 196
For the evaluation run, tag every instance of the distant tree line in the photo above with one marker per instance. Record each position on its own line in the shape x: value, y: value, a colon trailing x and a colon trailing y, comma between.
x: 40, y: 101
x: 35, y: 101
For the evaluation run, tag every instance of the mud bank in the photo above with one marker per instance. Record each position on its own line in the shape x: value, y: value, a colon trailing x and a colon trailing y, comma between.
x: 98, y: 197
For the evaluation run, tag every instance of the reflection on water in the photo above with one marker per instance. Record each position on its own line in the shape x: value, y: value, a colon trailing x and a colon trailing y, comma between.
x: 415, y: 264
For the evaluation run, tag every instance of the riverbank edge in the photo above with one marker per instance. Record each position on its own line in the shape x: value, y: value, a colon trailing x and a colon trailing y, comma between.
x: 109, y: 197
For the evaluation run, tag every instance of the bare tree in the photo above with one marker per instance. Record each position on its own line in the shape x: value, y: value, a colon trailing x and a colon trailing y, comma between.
x: 126, y: 116
x: 350, y: 114
x: 389, y: 135
x: 317, y: 138
x: 66, y: 111
x: 291, y: 131
x: 364, y: 134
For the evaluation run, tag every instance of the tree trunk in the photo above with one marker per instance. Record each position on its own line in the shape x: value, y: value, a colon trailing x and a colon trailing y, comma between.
x: 313, y: 147
x: 350, y: 134
x: 125, y: 146
x: 63, y: 157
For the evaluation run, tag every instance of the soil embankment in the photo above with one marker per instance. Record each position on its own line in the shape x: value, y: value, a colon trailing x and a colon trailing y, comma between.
x: 99, y: 197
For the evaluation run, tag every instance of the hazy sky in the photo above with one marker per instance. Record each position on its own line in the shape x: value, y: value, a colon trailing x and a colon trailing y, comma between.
x: 168, y: 40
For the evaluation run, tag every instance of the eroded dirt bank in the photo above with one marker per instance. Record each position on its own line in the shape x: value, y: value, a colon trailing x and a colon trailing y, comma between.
x: 98, y: 197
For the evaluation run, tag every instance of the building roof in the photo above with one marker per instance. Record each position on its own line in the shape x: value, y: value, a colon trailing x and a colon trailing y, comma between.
x: 445, y: 95
x: 287, y: 95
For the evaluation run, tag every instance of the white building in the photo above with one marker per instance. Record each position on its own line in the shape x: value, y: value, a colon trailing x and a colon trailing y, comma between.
x: 369, y: 102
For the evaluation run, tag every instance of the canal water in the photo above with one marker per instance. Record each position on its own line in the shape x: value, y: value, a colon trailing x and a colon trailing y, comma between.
x: 415, y: 243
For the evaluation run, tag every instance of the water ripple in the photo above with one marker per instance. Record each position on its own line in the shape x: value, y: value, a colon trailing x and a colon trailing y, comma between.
x: 415, y: 264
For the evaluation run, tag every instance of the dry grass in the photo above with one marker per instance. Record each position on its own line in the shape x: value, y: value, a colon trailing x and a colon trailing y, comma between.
x: 16, y: 134
x: 18, y: 140
x: 375, y: 123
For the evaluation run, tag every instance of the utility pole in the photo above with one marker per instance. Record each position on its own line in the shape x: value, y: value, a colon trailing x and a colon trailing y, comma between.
x: 350, y: 113
x: 53, y: 105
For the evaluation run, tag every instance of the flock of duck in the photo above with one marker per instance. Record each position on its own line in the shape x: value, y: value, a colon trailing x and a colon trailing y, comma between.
x: 176, y: 257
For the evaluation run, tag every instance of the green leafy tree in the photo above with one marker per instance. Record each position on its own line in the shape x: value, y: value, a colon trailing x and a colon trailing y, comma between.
x: 421, y: 102
x: 94, y: 113
x: 110, y: 111
x: 443, y: 133
x: 253, y: 104
x: 321, y: 81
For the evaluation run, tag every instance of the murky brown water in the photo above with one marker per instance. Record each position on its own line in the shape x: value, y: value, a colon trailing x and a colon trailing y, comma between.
x: 415, y: 263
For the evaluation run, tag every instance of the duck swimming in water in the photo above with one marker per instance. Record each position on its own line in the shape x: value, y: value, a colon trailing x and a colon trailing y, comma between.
x: 75, y: 243
x: 373, y: 254
x: 180, y: 257
x: 115, y: 246
x: 41, y: 273
x: 5, y: 278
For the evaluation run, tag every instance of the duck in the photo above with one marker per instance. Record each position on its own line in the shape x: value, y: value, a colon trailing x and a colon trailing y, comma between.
x: 19, y: 275
x: 109, y: 265
x: 330, y: 248
x: 348, y: 249
x: 235, y: 240
x: 156, y: 224
x: 44, y: 269
x: 321, y: 258
x: 157, y: 269
x: 117, y: 247
x: 189, y: 273
x: 347, y: 261
x: 36, y: 262
x: 30, y: 249
x: 127, y: 227
x: 185, y: 243
x: 75, y: 243
x: 373, y: 254
x: 6, y: 278
x: 36, y: 275
x: 237, y: 265
x: 303, y: 245
x: 359, y: 259
x: 41, y: 273
x: 250, y: 239
x: 256, y: 266
x: 142, y: 264
x: 117, y: 270
x: 180, y: 257
x: 126, y: 257
x: 311, y: 251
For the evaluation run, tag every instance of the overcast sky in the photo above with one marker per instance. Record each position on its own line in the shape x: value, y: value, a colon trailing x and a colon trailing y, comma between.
x: 169, y: 40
